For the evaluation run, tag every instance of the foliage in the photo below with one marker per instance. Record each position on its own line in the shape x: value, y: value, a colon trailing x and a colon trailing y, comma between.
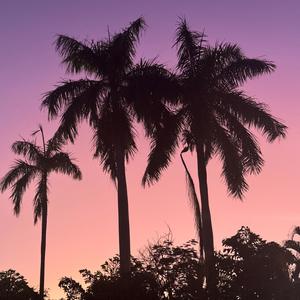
x: 13, y: 286
x: 251, y: 268
x: 248, y: 268
x: 163, y: 271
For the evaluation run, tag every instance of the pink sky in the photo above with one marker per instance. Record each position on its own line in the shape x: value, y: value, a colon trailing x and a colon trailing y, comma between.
x: 82, y: 230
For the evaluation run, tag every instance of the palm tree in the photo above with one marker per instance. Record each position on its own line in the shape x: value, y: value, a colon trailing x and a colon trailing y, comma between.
x: 39, y: 162
x: 294, y: 245
x: 217, y: 117
x: 116, y: 93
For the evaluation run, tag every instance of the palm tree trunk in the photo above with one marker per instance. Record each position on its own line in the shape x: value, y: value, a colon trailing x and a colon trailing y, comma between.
x: 123, y: 215
x: 43, y: 250
x: 208, y: 240
x: 44, y: 205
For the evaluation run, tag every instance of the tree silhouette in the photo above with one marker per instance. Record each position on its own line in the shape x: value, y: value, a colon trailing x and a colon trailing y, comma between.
x: 248, y: 267
x: 217, y: 117
x: 294, y: 245
x: 119, y: 93
x: 38, y: 163
x: 251, y: 268
x: 13, y: 286
x: 163, y: 271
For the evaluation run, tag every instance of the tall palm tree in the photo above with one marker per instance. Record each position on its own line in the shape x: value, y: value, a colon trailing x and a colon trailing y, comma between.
x: 217, y: 117
x: 38, y: 163
x: 116, y: 94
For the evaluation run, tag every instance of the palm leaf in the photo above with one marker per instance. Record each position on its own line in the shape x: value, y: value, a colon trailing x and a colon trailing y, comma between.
x: 239, y: 71
x: 19, y: 187
x: 122, y: 47
x: 233, y: 169
x: 28, y: 149
x: 250, y: 150
x: 77, y: 56
x: 81, y: 107
x: 253, y: 114
x: 18, y: 169
x: 164, y: 140
x: 64, y: 93
x: 192, y: 195
x: 189, y: 46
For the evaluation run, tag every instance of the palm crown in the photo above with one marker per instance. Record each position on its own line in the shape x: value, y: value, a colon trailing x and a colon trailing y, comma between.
x: 38, y: 163
x: 214, y: 112
x: 119, y: 93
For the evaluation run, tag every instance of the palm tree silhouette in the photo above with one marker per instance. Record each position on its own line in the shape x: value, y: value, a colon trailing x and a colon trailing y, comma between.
x: 216, y: 120
x: 119, y: 93
x: 38, y: 163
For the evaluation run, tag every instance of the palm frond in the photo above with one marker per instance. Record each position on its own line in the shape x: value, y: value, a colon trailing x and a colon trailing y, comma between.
x: 64, y: 93
x: 250, y: 150
x: 17, y: 170
x: 237, y: 72
x: 233, y: 169
x: 122, y: 47
x: 192, y: 195
x: 224, y: 53
x: 62, y: 163
x: 254, y: 114
x: 81, y: 107
x: 164, y: 140
x: 28, y: 149
x: 214, y: 60
x: 19, y: 187
x: 77, y: 56
x: 189, y: 45
x: 55, y: 143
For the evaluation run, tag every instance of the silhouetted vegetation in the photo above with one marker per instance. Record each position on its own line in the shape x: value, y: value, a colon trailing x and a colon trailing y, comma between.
x: 13, y: 286
x: 251, y: 268
x: 248, y: 267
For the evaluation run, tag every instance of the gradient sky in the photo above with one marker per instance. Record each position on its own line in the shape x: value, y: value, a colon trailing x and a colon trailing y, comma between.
x: 82, y: 228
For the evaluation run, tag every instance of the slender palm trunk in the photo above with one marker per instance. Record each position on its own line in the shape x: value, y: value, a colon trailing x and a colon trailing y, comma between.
x: 208, y: 240
x: 123, y: 215
x: 43, y: 250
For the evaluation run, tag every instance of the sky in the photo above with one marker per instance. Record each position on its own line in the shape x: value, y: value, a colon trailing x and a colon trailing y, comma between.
x: 82, y: 222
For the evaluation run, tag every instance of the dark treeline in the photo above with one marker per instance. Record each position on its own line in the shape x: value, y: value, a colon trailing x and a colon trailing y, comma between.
x: 248, y: 267
x: 199, y: 107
